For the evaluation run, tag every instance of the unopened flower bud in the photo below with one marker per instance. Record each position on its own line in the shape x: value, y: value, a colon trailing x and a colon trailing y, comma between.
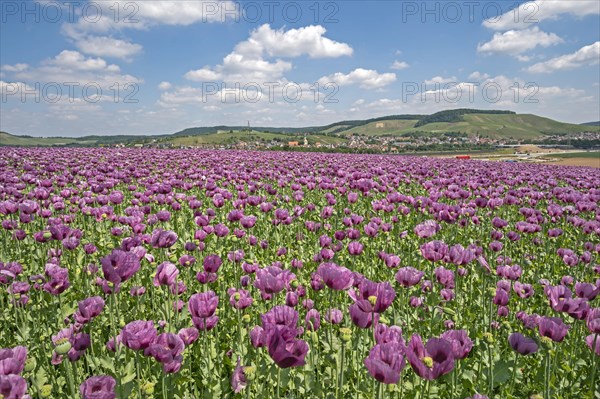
x: 46, y: 391
x: 488, y: 337
x: 546, y: 342
x: 148, y: 389
x: 30, y: 364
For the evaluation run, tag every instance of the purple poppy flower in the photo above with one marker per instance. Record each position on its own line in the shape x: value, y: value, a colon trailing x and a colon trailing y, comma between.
x: 591, y: 340
x: 458, y: 255
x: 221, y: 230
x: 593, y: 320
x: 363, y: 314
x: 12, y: 360
x: 523, y: 290
x: 13, y: 386
x: 167, y: 349
x: 163, y: 238
x: 385, y: 362
x: 381, y: 294
x: 188, y: 335
x: 432, y: 360
x: 313, y: 320
x: 187, y: 260
x: 553, y: 328
x: 270, y: 280
x: 88, y: 309
x: 137, y: 291
x: 334, y: 316
x: 139, y: 334
x: 205, y: 278
x: 409, y: 276
x: 336, y: 277
x: 283, y: 318
x: 286, y: 353
x: 434, y: 250
x: 501, y: 298
x: 58, y: 279
x: 119, y: 266
x: 355, y: 248
x: 258, y: 337
x: 166, y: 274
x: 248, y: 222
x: 98, y: 387
x: 586, y: 290
x: 522, y: 344
x: 427, y: 229
x: 239, y: 299
x: 202, y: 308
x: 461, y: 343
x: 238, y: 378
x: 384, y: 334
x: 445, y: 277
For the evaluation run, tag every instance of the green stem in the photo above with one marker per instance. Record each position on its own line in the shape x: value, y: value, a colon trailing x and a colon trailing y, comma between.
x: 341, y: 378
x: 514, y: 376
x: 114, y: 338
x: 594, y: 364
x: 71, y: 379
x: 278, y: 379
x: 547, y: 375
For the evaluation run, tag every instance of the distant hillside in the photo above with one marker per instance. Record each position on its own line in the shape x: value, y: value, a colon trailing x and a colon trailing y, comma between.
x: 491, y: 124
x: 455, y: 115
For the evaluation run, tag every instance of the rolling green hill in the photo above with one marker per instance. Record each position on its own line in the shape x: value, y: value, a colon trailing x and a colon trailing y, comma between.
x: 491, y: 124
x: 515, y: 126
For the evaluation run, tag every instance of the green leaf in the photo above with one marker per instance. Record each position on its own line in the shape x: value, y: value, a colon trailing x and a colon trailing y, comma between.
x: 107, y: 363
x: 40, y: 378
x: 502, y: 372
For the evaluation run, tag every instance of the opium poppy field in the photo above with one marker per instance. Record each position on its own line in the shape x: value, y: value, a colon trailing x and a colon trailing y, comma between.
x: 138, y: 273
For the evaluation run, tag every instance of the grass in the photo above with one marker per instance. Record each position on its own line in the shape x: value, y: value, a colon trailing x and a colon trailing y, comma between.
x: 569, y: 155
x: 517, y: 126
x: 514, y: 126
x: 10, y: 140
x: 393, y: 127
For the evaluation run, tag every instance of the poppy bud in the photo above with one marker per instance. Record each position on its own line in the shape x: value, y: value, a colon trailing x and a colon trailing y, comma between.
x: 30, y: 364
x: 489, y: 338
x: 148, y: 389
x: 62, y: 346
x: 46, y: 391
x: 546, y: 342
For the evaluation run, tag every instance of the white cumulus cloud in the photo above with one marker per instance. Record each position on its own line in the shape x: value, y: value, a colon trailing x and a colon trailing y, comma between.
x: 532, y: 12
x: 515, y: 42
x: 587, y: 55
x: 364, y: 78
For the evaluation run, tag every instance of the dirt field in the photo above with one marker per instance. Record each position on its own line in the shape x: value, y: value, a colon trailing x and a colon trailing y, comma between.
x: 593, y: 162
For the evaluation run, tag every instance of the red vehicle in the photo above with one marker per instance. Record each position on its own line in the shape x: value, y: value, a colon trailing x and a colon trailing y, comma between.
x: 463, y: 157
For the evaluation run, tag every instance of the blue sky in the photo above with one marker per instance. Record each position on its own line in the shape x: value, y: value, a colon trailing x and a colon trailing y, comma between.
x: 154, y: 67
